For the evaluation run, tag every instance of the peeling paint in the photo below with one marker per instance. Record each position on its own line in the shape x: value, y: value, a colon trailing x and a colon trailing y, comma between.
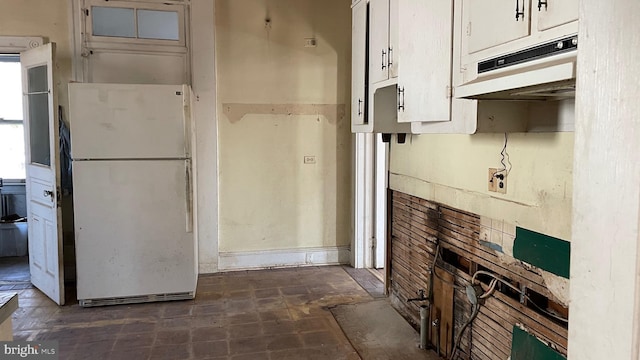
x: 334, y: 113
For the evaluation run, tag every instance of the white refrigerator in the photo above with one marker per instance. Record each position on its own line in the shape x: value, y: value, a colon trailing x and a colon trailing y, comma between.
x: 132, y: 193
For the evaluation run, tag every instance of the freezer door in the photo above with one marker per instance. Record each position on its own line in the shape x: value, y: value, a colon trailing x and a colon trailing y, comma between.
x: 132, y: 228
x: 124, y: 121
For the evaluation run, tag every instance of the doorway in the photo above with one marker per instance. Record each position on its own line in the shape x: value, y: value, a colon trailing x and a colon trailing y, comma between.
x: 381, y: 185
x: 14, y: 259
x: 371, y: 212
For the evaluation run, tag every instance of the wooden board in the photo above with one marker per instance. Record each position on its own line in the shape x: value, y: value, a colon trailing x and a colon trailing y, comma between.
x: 442, y: 312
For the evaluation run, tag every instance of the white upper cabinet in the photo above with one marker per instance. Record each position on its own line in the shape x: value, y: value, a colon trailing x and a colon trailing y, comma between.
x: 490, y: 23
x: 494, y: 28
x: 552, y: 13
x: 373, y: 107
x: 394, y: 38
x: 358, y: 63
x: 425, y: 49
x: 383, y: 37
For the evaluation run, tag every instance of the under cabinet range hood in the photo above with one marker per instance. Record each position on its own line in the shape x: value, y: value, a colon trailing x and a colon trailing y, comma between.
x: 543, y: 72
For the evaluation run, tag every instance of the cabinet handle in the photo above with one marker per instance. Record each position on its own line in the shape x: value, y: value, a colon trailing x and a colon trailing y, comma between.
x: 400, y: 99
x: 540, y: 3
x: 390, y: 62
x: 384, y: 65
x: 518, y: 12
x: 359, y: 109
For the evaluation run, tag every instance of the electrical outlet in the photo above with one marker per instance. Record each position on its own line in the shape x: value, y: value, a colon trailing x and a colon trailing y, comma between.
x: 310, y: 42
x: 309, y: 159
x: 497, y: 181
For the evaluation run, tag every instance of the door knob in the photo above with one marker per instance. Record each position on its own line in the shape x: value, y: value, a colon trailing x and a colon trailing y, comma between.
x: 48, y: 193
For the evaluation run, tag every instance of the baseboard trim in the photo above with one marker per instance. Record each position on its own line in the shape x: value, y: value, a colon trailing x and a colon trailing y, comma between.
x: 268, y: 259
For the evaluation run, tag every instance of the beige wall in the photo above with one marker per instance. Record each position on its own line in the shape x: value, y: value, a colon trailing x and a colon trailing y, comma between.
x: 453, y: 170
x: 278, y: 102
x: 45, y: 18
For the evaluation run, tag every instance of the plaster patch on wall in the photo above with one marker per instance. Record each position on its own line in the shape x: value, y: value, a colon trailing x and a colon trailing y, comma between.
x: 334, y: 113
x: 557, y: 285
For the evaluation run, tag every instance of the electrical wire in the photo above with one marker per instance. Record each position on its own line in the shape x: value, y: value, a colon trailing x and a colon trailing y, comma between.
x: 474, y: 313
x: 486, y: 294
x: 435, y: 263
x: 481, y: 272
x: 492, y: 288
x: 519, y: 291
x: 505, y: 159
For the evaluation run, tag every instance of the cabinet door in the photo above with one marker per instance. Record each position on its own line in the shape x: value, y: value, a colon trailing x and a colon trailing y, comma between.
x: 378, y: 40
x: 425, y: 49
x: 393, y: 38
x: 556, y: 13
x: 491, y: 23
x: 358, y: 62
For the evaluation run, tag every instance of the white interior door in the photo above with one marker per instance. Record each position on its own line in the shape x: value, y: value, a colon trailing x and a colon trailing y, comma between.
x: 43, y: 174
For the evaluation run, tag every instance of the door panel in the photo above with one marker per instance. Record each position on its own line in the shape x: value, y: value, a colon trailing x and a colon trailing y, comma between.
x: 556, y: 13
x: 425, y: 72
x: 394, y: 37
x: 493, y: 22
x: 358, y: 62
x: 43, y: 173
x: 378, y: 40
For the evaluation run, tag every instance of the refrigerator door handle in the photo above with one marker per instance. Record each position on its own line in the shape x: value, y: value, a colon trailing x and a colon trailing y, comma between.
x: 188, y: 196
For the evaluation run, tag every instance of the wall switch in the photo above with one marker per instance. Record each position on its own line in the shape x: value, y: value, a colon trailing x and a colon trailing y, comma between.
x: 497, y: 180
x: 309, y: 159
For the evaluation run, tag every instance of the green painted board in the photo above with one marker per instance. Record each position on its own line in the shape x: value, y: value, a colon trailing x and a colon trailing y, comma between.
x: 527, y: 347
x: 543, y: 251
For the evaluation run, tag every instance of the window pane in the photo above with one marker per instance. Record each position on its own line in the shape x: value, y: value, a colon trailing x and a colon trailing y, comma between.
x: 12, y: 151
x: 37, y: 79
x: 108, y: 21
x: 158, y: 25
x: 38, y: 115
x: 10, y: 88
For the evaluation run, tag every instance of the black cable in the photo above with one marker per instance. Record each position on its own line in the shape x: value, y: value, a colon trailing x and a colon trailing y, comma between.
x: 476, y: 309
x: 505, y: 157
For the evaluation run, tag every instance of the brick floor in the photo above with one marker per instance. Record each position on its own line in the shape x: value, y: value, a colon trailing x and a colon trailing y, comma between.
x: 270, y: 314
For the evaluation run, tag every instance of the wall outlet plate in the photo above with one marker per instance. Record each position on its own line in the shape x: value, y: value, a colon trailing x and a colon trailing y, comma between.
x: 309, y: 159
x: 497, y: 181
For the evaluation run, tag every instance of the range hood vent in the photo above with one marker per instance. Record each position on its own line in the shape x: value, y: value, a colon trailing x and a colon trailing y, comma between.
x: 542, y: 72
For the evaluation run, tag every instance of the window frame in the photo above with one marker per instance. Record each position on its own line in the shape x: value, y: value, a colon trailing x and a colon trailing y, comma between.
x: 16, y: 45
x: 97, y: 41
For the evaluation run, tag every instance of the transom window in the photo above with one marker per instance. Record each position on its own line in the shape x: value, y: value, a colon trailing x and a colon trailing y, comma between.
x: 135, y: 23
x: 109, y: 22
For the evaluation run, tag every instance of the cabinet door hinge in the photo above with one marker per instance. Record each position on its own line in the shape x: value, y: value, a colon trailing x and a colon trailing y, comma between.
x: 85, y: 12
x: 469, y: 29
x: 449, y: 92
